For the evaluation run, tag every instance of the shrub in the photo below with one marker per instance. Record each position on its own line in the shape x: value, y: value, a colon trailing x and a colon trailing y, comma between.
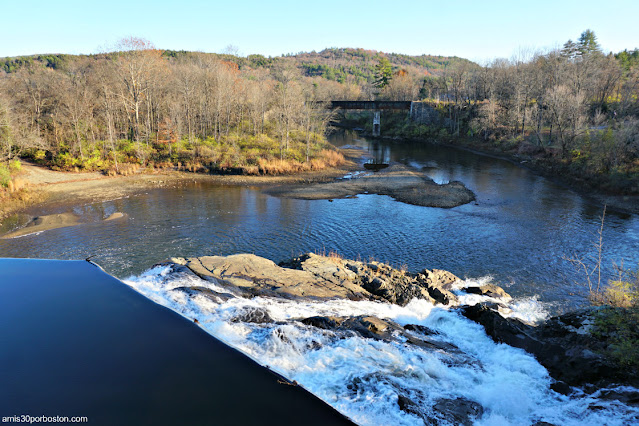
x: 15, y: 166
x: 5, y: 176
x: 620, y: 328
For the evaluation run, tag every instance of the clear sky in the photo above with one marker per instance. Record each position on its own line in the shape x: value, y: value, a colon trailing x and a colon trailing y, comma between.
x: 477, y: 30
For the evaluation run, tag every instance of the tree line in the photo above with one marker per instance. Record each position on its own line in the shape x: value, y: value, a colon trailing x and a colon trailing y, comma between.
x: 574, y: 105
x: 138, y: 105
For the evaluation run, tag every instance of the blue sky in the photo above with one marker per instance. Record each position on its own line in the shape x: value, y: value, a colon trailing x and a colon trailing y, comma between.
x: 478, y: 30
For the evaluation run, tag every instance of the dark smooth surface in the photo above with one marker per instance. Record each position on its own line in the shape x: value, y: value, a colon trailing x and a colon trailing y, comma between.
x: 75, y: 341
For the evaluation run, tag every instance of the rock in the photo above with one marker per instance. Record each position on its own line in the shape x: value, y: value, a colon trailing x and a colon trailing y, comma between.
x: 116, y: 215
x: 458, y: 411
x: 253, y: 315
x: 409, y: 406
x: 206, y: 292
x: 256, y: 276
x: 45, y: 223
x: 438, y: 284
x: 398, y: 181
x: 572, y: 356
x: 321, y: 277
x: 489, y: 290
x: 421, y: 329
x: 364, y: 326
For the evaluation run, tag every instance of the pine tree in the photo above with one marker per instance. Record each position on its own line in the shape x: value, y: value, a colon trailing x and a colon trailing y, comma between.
x: 588, y: 43
x: 570, y: 50
x: 383, y: 73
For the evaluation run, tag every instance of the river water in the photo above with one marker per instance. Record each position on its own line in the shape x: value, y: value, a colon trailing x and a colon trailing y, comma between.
x: 518, y: 232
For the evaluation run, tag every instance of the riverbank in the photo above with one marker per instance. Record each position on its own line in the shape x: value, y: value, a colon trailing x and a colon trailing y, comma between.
x: 42, y: 187
x: 48, y: 188
x: 554, y: 171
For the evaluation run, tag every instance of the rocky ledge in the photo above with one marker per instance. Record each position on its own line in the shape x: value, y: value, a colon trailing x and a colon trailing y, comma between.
x: 564, y: 345
x: 397, y: 181
x: 322, y: 277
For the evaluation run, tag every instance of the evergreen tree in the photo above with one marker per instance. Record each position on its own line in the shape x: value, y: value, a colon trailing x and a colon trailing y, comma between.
x: 383, y: 73
x: 588, y: 43
x: 570, y: 50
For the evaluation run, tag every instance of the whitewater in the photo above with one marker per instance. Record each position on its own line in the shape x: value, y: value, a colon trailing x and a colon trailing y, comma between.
x: 363, y: 378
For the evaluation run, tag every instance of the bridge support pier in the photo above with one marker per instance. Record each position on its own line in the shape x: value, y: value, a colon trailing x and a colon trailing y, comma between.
x: 377, y: 123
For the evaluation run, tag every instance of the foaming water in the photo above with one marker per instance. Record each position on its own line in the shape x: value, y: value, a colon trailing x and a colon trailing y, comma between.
x: 363, y: 378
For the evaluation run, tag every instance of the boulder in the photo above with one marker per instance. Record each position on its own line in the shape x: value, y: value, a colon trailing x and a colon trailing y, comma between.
x: 253, y: 315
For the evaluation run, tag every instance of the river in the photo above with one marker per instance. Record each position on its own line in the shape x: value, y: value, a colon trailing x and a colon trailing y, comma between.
x: 518, y: 232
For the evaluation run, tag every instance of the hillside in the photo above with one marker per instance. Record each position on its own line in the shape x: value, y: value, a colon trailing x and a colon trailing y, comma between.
x: 336, y: 64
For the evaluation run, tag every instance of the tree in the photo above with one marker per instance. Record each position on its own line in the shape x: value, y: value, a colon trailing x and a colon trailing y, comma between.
x: 567, y: 112
x: 383, y: 73
x: 570, y: 50
x: 138, y: 67
x: 587, y: 43
x: 6, y: 130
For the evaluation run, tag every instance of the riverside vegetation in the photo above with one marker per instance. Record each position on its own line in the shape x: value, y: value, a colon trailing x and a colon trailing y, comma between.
x: 571, y: 112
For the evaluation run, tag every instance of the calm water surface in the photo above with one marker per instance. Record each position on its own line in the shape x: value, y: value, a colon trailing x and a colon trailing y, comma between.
x: 517, y: 232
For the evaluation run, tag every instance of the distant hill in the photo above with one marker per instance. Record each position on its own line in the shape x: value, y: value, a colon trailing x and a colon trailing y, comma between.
x: 339, y: 63
x: 336, y: 64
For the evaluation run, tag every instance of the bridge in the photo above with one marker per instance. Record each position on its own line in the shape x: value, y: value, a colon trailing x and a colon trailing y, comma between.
x: 375, y: 106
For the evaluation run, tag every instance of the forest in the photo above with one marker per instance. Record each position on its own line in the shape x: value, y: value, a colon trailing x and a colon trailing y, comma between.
x: 135, y: 104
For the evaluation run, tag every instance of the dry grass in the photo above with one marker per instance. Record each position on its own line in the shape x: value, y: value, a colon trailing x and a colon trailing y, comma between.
x: 123, y: 169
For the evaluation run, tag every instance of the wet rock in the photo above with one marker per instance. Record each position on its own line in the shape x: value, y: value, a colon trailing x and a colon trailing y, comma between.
x: 438, y: 284
x: 409, y: 406
x: 206, y: 292
x: 421, y: 329
x: 364, y: 326
x: 458, y: 411
x: 629, y: 396
x: 253, y: 315
x: 489, y: 290
x: 572, y: 355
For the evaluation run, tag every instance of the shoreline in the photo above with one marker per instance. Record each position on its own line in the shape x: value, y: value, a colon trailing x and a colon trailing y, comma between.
x: 46, y: 188
x: 626, y: 204
x: 53, y: 189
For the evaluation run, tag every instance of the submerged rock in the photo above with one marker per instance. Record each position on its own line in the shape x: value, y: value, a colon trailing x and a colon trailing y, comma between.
x: 458, y: 411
